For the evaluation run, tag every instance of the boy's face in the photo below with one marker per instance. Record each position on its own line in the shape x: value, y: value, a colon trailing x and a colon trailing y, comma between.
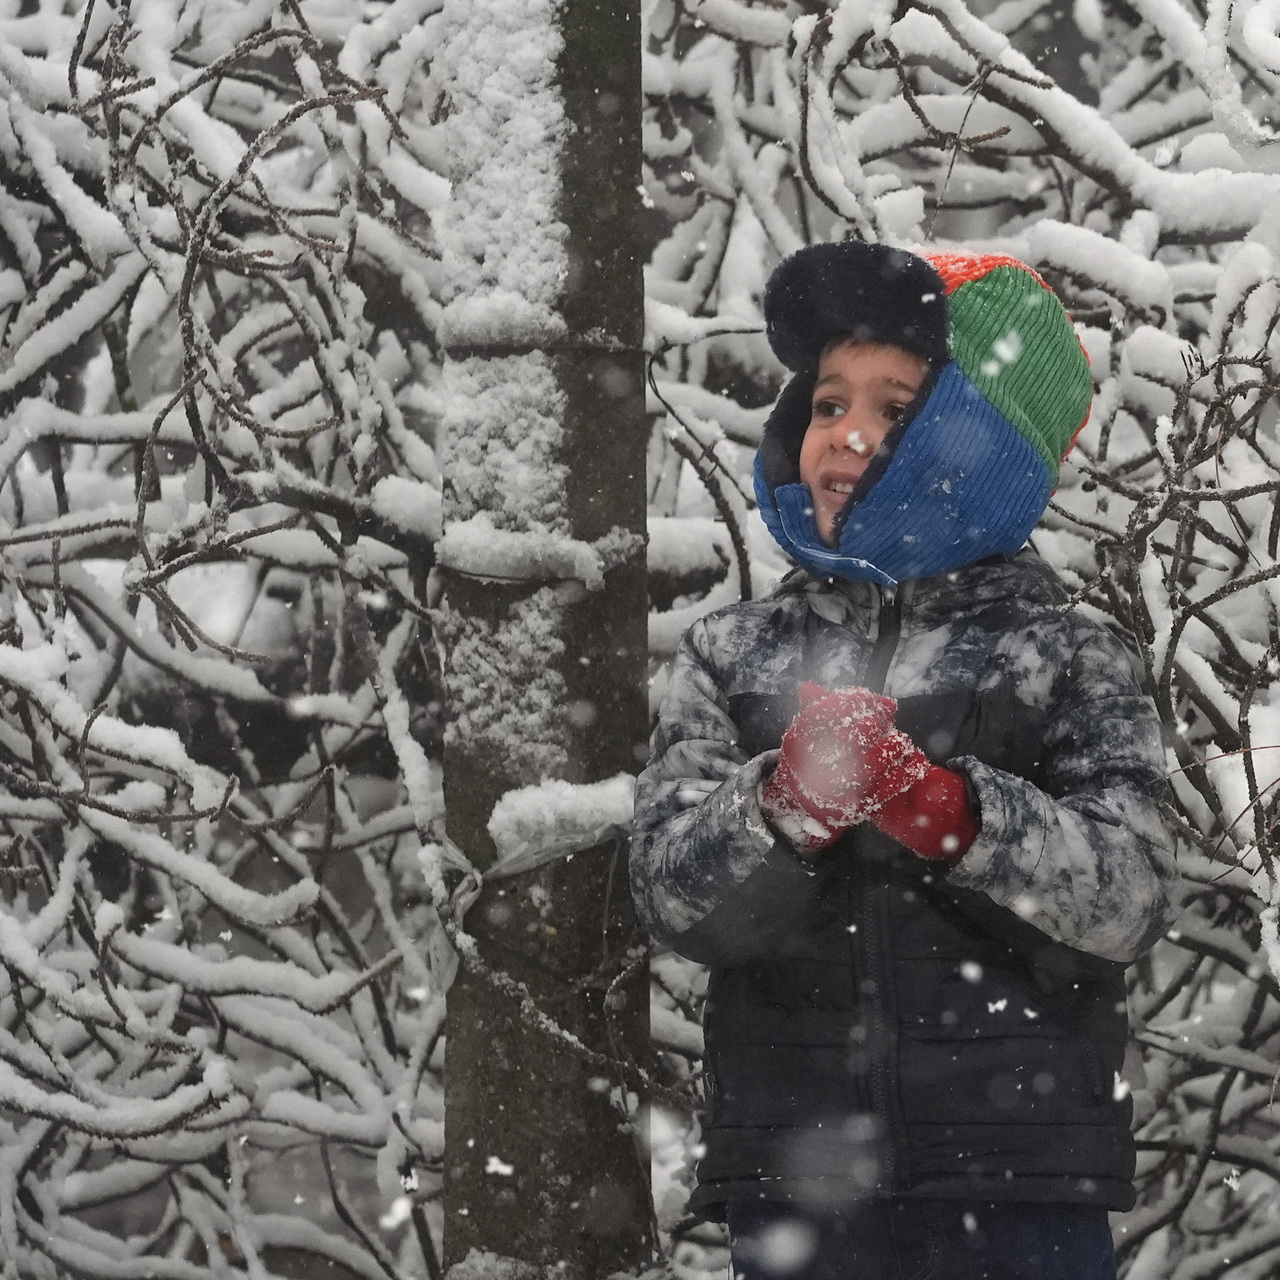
x: 861, y: 391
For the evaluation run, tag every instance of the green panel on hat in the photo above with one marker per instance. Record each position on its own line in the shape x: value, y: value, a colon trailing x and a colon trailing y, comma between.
x: 1013, y: 339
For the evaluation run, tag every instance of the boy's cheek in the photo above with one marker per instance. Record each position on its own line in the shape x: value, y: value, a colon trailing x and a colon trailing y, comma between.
x: 810, y: 452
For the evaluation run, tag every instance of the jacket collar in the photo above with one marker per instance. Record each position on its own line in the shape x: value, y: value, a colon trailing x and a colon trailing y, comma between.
x: 936, y: 599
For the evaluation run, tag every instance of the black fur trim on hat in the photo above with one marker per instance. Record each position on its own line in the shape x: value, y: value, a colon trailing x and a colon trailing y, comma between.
x: 778, y: 456
x: 872, y: 292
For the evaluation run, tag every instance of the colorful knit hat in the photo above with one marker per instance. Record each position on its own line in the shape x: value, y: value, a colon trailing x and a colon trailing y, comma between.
x: 968, y: 469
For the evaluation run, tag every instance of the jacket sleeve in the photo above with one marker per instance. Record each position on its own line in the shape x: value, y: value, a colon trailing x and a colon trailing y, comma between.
x: 708, y: 874
x: 1086, y: 858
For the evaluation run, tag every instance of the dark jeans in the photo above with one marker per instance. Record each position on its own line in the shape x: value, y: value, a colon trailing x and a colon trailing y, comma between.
x: 921, y: 1240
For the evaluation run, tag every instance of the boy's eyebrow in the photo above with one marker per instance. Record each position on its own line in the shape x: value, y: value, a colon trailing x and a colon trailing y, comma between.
x: 884, y: 378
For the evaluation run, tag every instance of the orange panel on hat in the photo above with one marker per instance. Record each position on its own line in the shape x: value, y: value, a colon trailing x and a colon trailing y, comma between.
x: 959, y: 268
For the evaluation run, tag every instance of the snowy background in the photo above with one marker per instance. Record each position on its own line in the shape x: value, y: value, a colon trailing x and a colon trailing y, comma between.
x: 234, y: 237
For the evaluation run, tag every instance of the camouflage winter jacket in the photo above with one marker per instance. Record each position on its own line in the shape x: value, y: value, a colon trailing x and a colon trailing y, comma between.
x: 875, y: 1024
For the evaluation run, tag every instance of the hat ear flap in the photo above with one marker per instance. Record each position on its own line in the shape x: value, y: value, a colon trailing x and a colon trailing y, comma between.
x: 778, y: 458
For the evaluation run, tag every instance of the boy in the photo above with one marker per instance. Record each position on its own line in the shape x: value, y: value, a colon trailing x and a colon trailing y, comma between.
x: 906, y: 808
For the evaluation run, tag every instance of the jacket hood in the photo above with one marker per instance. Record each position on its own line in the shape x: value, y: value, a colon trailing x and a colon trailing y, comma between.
x: 968, y: 470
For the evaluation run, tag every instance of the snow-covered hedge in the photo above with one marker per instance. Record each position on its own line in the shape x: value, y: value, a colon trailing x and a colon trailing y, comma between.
x: 222, y: 991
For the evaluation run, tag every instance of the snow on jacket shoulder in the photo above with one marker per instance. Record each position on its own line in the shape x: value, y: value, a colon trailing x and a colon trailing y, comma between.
x: 1036, y: 704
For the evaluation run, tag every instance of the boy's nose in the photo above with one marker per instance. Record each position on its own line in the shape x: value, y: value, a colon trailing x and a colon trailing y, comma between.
x: 856, y: 440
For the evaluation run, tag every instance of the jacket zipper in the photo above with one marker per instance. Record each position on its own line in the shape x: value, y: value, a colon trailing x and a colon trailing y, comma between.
x: 888, y: 633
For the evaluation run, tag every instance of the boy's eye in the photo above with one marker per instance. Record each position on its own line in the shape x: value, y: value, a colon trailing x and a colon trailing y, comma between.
x: 827, y: 409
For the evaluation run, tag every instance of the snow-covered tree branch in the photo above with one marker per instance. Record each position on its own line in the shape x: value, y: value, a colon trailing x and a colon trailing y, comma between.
x: 222, y: 1001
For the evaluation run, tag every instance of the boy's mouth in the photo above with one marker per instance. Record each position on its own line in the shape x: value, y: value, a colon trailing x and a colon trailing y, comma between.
x: 841, y: 485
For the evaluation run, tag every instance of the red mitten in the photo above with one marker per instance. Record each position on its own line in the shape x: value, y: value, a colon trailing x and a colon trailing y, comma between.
x: 841, y: 759
x: 932, y: 818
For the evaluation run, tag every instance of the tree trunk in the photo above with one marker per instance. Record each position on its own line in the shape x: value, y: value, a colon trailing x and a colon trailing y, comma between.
x: 545, y: 443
